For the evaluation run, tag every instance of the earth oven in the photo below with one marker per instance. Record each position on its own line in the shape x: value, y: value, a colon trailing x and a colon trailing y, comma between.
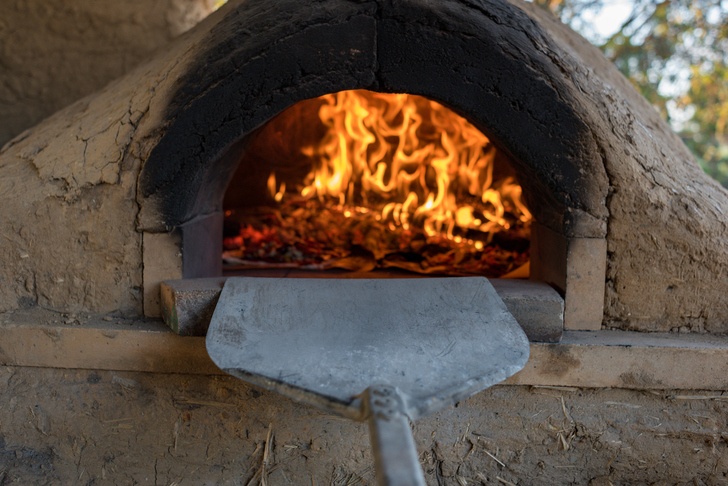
x: 462, y: 64
x: 125, y: 189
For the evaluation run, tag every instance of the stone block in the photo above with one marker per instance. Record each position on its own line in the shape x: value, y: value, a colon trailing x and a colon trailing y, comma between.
x: 537, y: 307
x: 162, y: 261
x: 188, y: 304
x: 585, y: 284
x: 577, y: 268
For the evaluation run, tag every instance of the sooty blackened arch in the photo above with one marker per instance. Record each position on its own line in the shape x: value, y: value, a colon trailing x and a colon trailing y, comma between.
x: 487, y: 60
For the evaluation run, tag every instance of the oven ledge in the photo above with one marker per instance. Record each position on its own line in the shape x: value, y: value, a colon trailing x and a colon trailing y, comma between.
x: 589, y: 359
x: 187, y: 304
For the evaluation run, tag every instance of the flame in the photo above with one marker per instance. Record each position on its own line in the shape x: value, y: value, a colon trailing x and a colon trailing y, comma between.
x: 412, y: 160
x: 273, y: 189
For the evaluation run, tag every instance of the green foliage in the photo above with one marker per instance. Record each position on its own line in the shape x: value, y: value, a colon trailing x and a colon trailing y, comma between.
x: 676, y: 54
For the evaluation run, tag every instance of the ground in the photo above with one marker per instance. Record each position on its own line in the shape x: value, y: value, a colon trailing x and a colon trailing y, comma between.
x: 103, y: 427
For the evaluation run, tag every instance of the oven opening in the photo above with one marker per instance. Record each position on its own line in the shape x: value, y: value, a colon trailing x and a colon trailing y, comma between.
x: 362, y: 184
x: 358, y: 181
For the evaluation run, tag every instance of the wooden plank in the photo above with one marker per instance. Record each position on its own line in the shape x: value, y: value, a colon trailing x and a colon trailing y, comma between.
x: 621, y: 359
x: 598, y: 359
x: 147, y: 346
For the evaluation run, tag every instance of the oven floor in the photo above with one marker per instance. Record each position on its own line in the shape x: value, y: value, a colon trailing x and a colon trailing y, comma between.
x: 233, y: 271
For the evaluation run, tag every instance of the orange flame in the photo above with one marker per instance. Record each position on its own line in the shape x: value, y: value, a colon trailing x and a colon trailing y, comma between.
x: 411, y: 159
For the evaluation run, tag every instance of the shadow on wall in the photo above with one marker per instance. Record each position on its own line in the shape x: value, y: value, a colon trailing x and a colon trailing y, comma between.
x: 55, y: 52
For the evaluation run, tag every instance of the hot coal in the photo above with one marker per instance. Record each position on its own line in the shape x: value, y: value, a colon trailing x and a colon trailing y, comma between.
x: 308, y: 234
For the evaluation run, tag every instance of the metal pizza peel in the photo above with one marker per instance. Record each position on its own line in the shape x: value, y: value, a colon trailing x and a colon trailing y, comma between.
x: 386, y: 351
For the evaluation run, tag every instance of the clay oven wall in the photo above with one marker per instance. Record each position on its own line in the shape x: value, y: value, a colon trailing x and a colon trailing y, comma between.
x: 53, y: 52
x: 97, y: 197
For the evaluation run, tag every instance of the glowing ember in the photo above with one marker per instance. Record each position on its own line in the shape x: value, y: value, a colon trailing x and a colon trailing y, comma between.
x: 406, y: 170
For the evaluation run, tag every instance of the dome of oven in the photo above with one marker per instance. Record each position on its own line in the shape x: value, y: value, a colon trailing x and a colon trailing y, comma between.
x: 94, y: 197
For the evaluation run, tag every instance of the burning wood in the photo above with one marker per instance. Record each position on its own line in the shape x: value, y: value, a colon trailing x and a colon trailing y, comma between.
x: 397, y: 181
x: 310, y: 235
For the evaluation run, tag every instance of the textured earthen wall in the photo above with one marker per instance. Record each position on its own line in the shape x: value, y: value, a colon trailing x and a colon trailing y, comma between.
x: 126, y: 428
x: 667, y: 256
x: 68, y: 185
x: 53, y: 52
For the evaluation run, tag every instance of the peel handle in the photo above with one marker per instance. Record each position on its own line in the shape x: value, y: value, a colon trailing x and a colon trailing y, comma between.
x: 395, y: 454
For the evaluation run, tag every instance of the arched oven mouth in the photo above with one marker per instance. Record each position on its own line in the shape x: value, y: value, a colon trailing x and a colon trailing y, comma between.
x: 361, y: 184
x: 222, y: 153
x: 364, y: 184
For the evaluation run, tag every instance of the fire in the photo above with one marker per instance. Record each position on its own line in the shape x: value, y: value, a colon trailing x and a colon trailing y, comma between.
x: 379, y: 181
x: 414, y: 162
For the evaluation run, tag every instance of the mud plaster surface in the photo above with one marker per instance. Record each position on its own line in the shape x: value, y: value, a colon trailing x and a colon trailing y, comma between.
x: 53, y: 52
x: 102, y: 427
x: 67, y: 194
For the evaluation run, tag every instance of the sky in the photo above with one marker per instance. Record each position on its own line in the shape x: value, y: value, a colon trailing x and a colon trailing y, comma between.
x: 607, y: 21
